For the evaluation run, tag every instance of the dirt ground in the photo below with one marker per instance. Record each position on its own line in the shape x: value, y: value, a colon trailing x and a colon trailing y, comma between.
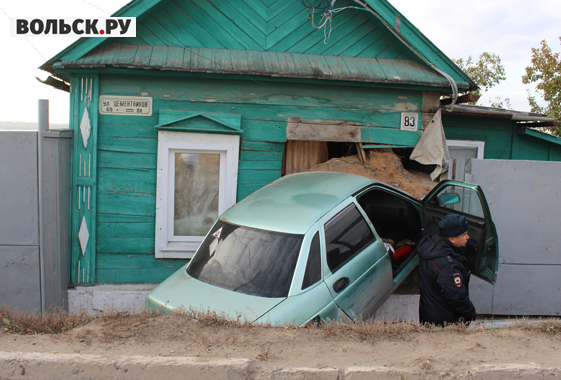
x: 401, y: 345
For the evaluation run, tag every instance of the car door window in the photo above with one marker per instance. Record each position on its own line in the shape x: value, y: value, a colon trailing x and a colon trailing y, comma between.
x: 346, y: 234
x: 313, y: 266
x: 480, y: 258
x: 468, y: 202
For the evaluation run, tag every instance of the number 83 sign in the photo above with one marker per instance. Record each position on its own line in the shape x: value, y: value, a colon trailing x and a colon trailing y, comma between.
x: 409, y: 121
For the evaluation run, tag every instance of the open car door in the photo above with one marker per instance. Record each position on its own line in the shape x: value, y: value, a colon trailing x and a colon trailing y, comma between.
x: 455, y: 197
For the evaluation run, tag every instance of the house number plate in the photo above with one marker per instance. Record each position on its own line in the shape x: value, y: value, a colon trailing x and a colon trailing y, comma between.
x: 125, y: 105
x: 409, y: 121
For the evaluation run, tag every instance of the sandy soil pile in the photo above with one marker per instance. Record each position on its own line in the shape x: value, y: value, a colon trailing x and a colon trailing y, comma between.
x: 383, y: 166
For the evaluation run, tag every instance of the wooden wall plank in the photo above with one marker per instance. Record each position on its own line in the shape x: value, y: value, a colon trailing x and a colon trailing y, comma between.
x: 136, y: 276
x: 136, y: 261
x: 322, y: 130
x: 125, y: 186
x: 129, y: 245
x: 289, y: 26
x: 254, y: 7
x: 267, y: 131
x: 210, y: 25
x: 345, y: 26
x: 262, y: 146
x: 532, y: 149
x: 253, y: 176
x: 131, y: 145
x: 128, y: 219
x: 189, y: 21
x: 497, y: 134
x: 370, y: 32
x: 303, y: 155
x: 339, y: 40
x: 125, y: 230
x: 390, y: 136
x: 127, y: 204
x: 148, y: 37
x: 155, y: 24
x: 249, y: 32
x: 249, y: 155
x: 182, y: 36
x: 261, y: 165
x: 117, y: 160
x: 246, y: 189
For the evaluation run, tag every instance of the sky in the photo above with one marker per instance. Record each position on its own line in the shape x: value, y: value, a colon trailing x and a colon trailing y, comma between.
x: 508, y: 28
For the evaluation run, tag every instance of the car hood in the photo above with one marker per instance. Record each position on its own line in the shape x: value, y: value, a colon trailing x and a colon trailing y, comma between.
x: 181, y: 290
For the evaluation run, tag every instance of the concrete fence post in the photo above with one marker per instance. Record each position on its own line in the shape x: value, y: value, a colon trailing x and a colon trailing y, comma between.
x: 54, y: 200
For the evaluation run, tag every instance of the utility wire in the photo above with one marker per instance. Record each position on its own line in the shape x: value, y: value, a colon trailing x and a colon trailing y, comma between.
x: 320, y: 5
x: 95, y: 6
x: 38, y: 52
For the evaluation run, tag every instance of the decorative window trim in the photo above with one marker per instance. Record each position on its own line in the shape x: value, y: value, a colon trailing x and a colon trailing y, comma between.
x: 169, y: 143
x: 480, y: 145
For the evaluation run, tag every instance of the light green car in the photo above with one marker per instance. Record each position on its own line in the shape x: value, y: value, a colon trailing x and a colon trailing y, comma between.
x: 314, y: 247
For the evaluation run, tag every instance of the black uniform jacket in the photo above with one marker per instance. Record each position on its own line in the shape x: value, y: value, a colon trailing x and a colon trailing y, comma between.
x: 443, y: 282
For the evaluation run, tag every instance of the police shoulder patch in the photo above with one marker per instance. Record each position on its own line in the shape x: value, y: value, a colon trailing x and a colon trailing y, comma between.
x: 457, y: 279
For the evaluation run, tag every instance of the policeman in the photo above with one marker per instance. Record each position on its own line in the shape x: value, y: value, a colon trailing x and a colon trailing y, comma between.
x: 443, y: 278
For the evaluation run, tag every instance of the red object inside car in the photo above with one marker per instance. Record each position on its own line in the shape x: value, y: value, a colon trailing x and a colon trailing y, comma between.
x: 401, y: 252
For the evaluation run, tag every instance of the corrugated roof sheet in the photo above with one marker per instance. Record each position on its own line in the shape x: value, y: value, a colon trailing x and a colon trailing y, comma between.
x: 499, y: 113
x: 264, y: 63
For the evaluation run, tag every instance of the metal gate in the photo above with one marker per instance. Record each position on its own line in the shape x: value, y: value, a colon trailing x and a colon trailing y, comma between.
x: 525, y: 201
x: 34, y: 217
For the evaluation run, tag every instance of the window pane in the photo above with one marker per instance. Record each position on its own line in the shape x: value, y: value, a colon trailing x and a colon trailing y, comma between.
x: 313, y: 267
x: 196, y: 193
x: 247, y: 260
x: 346, y: 235
x: 469, y: 201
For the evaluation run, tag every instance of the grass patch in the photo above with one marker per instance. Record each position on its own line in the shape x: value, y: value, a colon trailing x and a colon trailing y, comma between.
x: 213, y: 318
x: 368, y: 330
x: 126, y: 324
x: 550, y: 326
x: 374, y: 330
x: 52, y: 322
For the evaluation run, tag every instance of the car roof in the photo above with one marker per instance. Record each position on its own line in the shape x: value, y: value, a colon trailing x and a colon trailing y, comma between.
x: 293, y: 203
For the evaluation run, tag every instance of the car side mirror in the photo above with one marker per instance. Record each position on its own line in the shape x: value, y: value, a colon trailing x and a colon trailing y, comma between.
x: 448, y: 199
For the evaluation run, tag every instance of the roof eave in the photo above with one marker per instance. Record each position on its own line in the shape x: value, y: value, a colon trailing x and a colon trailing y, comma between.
x: 136, y: 8
x: 295, y: 65
x: 498, y: 113
x: 391, y: 17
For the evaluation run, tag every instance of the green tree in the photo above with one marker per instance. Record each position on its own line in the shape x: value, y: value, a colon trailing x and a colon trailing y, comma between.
x: 487, y: 72
x: 545, y: 72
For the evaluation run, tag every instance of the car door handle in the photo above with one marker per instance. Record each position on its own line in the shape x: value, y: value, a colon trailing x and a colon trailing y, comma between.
x: 341, y: 284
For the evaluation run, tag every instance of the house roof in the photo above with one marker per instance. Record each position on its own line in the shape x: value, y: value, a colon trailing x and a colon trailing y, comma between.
x: 540, y: 135
x: 379, y: 12
x: 526, y: 121
x: 265, y: 63
x: 499, y: 113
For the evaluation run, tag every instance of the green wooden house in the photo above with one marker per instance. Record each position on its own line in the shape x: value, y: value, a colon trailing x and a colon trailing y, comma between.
x: 214, y: 99
x: 493, y: 133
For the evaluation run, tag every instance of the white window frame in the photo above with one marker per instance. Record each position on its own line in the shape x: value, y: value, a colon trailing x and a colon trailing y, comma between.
x: 167, y: 245
x: 480, y: 145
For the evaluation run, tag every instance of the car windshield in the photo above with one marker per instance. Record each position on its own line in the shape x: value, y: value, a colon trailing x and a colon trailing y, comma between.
x: 247, y: 260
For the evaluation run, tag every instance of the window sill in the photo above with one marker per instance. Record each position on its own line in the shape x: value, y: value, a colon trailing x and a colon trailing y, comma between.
x: 176, y: 250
